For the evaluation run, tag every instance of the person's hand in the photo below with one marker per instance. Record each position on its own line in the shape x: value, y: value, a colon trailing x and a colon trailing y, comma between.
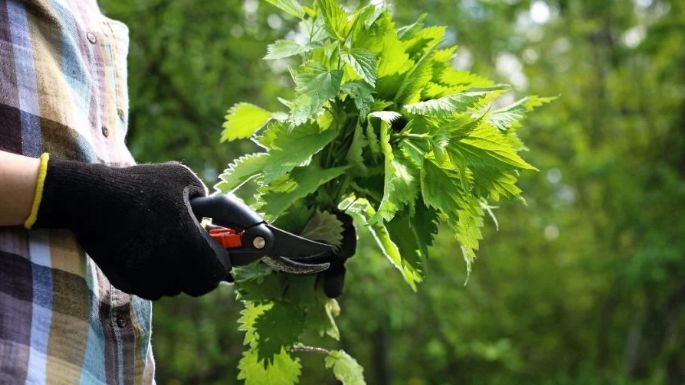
x: 334, y: 277
x: 135, y: 223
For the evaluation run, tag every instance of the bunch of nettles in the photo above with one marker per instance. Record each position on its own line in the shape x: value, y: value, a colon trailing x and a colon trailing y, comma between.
x: 382, y: 127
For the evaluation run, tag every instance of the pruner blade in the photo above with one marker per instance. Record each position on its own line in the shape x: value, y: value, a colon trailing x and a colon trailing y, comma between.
x: 290, y: 253
x: 287, y: 265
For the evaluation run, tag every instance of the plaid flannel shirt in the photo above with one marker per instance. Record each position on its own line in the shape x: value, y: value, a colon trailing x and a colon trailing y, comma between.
x: 63, y: 91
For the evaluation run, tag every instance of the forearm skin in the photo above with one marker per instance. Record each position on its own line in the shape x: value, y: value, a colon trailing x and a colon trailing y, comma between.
x: 18, y: 175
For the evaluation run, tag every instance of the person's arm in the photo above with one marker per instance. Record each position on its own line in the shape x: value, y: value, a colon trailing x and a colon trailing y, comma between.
x: 18, y: 175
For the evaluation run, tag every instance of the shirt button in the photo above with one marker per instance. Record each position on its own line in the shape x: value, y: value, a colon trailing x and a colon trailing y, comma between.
x: 122, y: 322
x: 91, y: 38
x: 105, y: 131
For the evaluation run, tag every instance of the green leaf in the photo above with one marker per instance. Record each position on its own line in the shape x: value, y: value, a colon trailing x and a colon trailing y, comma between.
x: 386, y: 116
x: 425, y: 224
x: 362, y: 210
x: 285, y: 48
x: 314, y: 31
x: 486, y: 140
x: 355, y: 155
x: 400, y: 185
x: 439, y: 188
x: 334, y: 17
x: 243, y: 120
x: 240, y: 171
x: 392, y: 58
x: 274, y: 335
x: 291, y: 7
x: 345, y: 368
x: 415, y: 82
x: 363, y: 62
x: 362, y: 95
x: 315, y: 86
x: 248, y: 318
x: 463, y: 210
x: 324, y: 227
x: 289, y: 149
x: 448, y: 105
x: 414, y: 150
x: 253, y: 271
x: 419, y: 41
x: 467, y: 228
x: 490, y: 177
x: 284, y: 370
x: 506, y: 117
x: 307, y: 180
x: 404, y: 232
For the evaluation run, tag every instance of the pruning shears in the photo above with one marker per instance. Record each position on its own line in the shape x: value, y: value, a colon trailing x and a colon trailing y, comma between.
x: 241, y: 236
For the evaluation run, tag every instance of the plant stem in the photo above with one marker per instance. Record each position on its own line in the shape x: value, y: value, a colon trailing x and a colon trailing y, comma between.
x: 299, y: 348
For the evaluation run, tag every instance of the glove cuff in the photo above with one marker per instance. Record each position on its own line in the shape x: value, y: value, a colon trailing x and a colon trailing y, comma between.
x: 38, y: 195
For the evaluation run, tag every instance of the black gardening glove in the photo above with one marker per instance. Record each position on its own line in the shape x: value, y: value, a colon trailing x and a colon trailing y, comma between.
x: 334, y: 277
x: 135, y: 223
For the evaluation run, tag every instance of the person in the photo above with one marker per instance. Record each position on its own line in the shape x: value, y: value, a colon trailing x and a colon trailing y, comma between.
x: 87, y: 237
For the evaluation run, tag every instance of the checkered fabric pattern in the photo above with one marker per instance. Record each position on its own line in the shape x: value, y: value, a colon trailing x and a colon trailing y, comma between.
x: 63, y: 91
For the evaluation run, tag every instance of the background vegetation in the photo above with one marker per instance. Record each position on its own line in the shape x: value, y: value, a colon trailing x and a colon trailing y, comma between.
x: 584, y: 285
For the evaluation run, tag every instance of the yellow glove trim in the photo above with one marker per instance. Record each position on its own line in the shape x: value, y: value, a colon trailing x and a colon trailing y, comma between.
x: 38, y: 196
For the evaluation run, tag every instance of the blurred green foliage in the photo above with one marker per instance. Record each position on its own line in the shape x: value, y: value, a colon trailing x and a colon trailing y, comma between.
x: 583, y: 285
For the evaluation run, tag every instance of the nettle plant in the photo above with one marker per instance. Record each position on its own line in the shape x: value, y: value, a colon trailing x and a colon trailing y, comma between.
x: 382, y: 127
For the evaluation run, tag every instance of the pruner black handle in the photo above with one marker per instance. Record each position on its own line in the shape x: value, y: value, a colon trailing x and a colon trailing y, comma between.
x: 225, y: 210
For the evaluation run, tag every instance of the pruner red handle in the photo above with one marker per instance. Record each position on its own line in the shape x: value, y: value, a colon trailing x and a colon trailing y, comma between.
x: 226, y: 237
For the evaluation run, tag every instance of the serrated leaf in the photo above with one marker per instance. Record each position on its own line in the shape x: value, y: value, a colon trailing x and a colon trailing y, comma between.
x: 345, y: 368
x: 355, y: 155
x: 361, y: 94
x: 274, y: 335
x: 464, y: 211
x: 371, y: 13
x: 414, y: 82
x: 362, y: 210
x: 284, y: 370
x: 291, y: 7
x: 324, y: 227
x: 240, y: 171
x: 392, y: 58
x: 374, y: 144
x: 400, y: 185
x: 486, y: 140
x: 462, y: 79
x: 248, y: 317
x: 506, y: 117
x: 282, y: 49
x: 467, y: 229
x: 315, y: 86
x: 448, y: 105
x: 335, y: 18
x: 289, y: 149
x: 313, y: 31
x: 490, y: 177
x: 414, y: 150
x: 243, y: 120
x: 250, y: 272
x: 433, y: 182
x: 386, y: 116
x: 306, y: 180
x: 363, y: 62
x: 422, y: 40
x: 404, y: 233
x: 425, y: 222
